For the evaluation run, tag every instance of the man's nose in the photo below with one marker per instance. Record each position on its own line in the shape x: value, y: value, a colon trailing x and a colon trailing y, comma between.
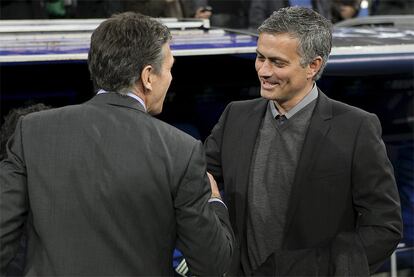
x: 265, y: 70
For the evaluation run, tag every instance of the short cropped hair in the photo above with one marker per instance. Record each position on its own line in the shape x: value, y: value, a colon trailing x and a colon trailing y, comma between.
x: 313, y: 31
x: 122, y: 46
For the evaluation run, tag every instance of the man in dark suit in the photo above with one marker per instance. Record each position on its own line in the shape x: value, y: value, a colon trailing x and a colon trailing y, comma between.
x: 307, y: 180
x: 105, y: 188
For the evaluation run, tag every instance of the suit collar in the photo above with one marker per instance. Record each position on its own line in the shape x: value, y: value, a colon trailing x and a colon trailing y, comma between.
x: 323, y: 106
x: 116, y: 99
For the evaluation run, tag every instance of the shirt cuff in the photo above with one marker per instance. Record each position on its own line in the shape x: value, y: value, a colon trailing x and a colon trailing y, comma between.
x: 214, y: 199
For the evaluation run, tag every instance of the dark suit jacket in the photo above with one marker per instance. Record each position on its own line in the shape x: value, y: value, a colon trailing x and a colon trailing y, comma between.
x: 344, y: 210
x: 107, y: 189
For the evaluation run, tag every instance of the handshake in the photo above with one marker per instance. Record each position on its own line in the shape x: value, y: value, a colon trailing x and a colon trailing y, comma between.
x: 180, y: 264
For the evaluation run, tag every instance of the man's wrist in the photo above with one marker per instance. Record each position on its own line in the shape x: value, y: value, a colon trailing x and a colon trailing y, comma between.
x: 216, y: 199
x: 215, y: 195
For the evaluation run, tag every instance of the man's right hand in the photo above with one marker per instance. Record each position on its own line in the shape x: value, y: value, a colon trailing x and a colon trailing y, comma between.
x: 215, y: 193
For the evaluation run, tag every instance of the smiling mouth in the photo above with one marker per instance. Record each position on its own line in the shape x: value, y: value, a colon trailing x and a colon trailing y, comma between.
x: 268, y: 85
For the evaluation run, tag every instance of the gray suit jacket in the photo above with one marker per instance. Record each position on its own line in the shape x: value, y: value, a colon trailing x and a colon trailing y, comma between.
x: 107, y: 189
x: 344, y: 211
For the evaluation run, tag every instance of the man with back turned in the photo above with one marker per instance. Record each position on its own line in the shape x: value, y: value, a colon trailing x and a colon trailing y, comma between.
x: 103, y: 187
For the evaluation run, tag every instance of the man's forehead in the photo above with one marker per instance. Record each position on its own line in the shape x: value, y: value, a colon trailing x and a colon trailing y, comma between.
x: 268, y: 41
x: 166, y: 49
x: 278, y: 36
x: 278, y: 46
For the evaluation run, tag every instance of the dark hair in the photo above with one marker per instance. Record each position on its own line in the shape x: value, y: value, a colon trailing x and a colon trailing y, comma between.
x: 10, y: 122
x: 313, y: 31
x: 122, y: 46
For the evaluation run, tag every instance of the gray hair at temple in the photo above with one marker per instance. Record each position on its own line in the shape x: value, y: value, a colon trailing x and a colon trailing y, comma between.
x: 313, y: 31
x: 122, y: 46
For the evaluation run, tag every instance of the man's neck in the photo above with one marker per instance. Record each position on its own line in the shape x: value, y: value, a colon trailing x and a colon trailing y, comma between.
x: 284, y: 107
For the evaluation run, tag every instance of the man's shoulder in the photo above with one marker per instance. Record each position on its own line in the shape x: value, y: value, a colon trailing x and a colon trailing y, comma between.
x: 50, y: 113
x: 172, y: 142
x: 249, y: 102
x: 170, y: 132
x: 343, y: 109
x: 248, y: 105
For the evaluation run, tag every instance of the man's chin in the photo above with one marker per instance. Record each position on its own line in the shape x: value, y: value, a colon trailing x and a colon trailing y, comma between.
x: 269, y: 95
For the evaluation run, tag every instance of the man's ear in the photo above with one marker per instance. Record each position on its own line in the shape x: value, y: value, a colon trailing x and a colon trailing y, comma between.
x: 314, y: 67
x: 146, y: 77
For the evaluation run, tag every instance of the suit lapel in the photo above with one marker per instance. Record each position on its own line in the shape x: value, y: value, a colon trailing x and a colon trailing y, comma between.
x: 248, y: 135
x: 312, y: 146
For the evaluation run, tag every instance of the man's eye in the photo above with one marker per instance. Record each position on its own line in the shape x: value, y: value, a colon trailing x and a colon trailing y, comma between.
x: 279, y: 64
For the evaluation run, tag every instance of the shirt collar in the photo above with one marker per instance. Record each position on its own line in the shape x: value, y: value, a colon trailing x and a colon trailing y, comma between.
x: 312, y: 95
x: 130, y: 94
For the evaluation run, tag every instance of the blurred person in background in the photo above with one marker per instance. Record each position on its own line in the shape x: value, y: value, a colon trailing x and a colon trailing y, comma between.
x: 167, y: 8
x: 153, y: 8
x: 262, y: 9
x: 96, y: 8
x: 344, y: 9
x: 391, y: 7
x: 22, y: 9
x: 228, y: 13
x: 335, y: 10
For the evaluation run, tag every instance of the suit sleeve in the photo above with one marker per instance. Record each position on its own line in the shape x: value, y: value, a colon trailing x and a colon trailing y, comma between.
x: 13, y: 198
x: 375, y: 195
x: 204, y: 234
